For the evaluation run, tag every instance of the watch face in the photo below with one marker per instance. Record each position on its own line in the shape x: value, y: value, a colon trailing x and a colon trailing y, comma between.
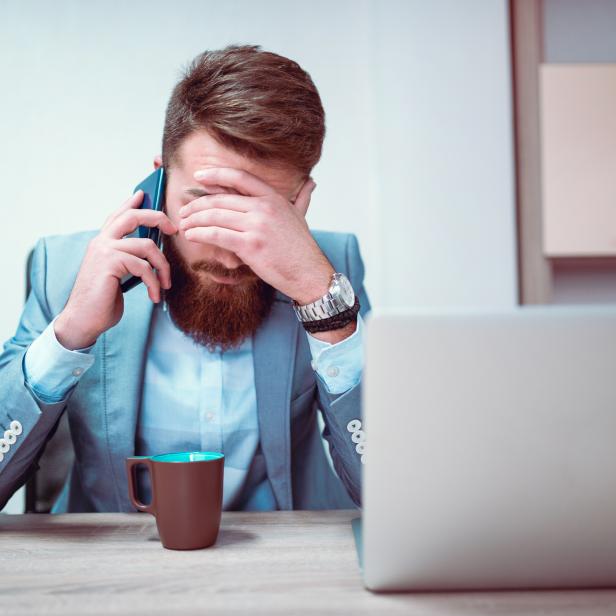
x: 342, y: 288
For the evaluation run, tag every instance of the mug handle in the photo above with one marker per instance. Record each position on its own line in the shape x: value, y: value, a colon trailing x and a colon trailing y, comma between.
x: 131, y: 470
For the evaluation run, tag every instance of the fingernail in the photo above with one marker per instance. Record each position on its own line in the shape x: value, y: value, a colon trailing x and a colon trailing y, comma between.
x: 183, y: 210
x: 199, y: 174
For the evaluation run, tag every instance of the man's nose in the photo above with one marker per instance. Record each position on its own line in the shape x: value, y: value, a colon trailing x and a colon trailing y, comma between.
x: 229, y: 259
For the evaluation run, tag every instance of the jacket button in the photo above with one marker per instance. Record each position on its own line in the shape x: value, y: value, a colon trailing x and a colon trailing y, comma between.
x: 354, y: 425
x: 16, y: 427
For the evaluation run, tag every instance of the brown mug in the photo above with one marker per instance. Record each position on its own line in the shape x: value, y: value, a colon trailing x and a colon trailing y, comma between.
x: 186, y: 496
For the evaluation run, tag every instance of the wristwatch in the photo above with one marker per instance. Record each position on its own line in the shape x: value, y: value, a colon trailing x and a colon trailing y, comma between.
x: 339, y: 301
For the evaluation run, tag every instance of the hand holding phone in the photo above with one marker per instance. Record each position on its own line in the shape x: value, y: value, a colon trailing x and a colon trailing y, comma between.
x: 127, y: 247
x: 153, y: 188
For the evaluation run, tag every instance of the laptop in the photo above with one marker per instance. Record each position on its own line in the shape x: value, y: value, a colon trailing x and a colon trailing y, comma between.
x: 491, y: 449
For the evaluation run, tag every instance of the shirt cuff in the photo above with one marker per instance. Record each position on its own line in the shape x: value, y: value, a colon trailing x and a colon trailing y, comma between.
x: 339, y: 365
x: 51, y: 370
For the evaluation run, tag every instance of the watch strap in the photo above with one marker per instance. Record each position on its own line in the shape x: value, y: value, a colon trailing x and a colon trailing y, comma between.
x: 336, y: 322
x: 321, y: 309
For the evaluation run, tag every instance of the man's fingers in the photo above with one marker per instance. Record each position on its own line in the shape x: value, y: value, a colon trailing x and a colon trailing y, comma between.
x: 142, y: 269
x: 224, y: 238
x: 226, y: 201
x: 242, y: 181
x: 130, y: 219
x: 133, y: 201
x: 148, y: 250
x: 229, y: 219
x: 302, y: 200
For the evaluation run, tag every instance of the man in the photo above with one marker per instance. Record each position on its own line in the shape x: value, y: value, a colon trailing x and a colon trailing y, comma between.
x: 246, y: 324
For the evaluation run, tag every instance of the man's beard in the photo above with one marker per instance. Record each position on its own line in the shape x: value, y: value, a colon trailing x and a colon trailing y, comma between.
x: 215, y: 315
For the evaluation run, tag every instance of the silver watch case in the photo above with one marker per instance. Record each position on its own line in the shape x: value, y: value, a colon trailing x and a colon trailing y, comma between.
x: 339, y: 298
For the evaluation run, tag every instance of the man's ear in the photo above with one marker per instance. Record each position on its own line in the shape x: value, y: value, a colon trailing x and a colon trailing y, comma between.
x: 158, y: 161
x: 302, y: 201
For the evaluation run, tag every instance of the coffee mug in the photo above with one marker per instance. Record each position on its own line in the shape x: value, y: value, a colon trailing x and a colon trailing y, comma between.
x: 186, y: 496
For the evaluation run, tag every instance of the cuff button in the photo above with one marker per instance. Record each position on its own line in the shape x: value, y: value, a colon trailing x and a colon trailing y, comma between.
x: 333, y: 371
x: 77, y: 371
x: 359, y: 436
x: 9, y: 437
x: 354, y: 425
x: 16, y: 427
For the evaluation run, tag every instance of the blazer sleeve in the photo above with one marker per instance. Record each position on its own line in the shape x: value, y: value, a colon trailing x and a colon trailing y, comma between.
x: 26, y: 422
x: 341, y: 409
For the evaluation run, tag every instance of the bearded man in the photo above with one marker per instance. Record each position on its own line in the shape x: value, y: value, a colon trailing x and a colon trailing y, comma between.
x: 247, y: 325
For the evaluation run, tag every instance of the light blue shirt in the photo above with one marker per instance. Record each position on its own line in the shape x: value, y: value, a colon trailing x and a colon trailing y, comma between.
x: 195, y: 399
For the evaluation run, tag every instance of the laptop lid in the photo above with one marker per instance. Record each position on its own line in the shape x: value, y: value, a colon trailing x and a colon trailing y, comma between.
x: 491, y: 449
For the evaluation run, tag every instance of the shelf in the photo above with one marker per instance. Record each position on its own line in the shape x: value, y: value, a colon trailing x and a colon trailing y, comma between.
x: 578, y: 159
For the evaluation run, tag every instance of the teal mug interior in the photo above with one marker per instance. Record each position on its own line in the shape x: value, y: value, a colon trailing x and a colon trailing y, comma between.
x: 187, y: 456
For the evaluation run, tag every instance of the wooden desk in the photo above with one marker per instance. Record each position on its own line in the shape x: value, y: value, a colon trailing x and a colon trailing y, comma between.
x: 263, y: 563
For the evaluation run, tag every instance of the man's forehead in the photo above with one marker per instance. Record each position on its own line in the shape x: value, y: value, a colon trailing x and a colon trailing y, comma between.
x: 201, y: 151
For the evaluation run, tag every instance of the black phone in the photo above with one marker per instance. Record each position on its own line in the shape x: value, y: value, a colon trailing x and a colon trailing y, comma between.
x: 153, y: 188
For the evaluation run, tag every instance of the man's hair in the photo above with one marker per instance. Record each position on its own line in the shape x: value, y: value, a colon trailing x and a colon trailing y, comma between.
x: 257, y: 103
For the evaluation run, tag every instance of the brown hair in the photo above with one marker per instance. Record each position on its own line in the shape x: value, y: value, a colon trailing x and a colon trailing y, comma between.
x: 257, y: 103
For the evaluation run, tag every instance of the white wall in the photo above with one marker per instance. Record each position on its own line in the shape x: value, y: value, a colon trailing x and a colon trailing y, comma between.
x: 443, y: 129
x: 417, y: 161
x: 575, y: 31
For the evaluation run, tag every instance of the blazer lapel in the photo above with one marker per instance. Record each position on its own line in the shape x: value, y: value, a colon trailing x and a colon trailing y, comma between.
x: 124, y: 356
x: 274, y: 348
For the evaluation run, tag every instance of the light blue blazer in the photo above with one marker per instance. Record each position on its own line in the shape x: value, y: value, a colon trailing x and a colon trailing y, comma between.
x: 103, y: 407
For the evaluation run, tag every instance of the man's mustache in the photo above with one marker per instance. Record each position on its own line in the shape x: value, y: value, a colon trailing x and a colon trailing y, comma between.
x: 209, y: 267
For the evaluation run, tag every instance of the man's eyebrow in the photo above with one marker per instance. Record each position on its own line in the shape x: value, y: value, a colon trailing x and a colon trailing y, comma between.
x: 196, y: 192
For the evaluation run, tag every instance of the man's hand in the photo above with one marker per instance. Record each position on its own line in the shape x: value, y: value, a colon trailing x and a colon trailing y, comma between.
x: 265, y: 230
x: 96, y: 302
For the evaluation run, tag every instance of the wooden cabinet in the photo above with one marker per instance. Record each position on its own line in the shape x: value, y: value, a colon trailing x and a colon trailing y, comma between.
x: 578, y: 159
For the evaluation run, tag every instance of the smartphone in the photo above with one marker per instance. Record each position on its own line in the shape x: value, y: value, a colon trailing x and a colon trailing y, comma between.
x: 153, y: 188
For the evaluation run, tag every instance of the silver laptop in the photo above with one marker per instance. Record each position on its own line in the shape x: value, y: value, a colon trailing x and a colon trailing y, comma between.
x: 491, y: 449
